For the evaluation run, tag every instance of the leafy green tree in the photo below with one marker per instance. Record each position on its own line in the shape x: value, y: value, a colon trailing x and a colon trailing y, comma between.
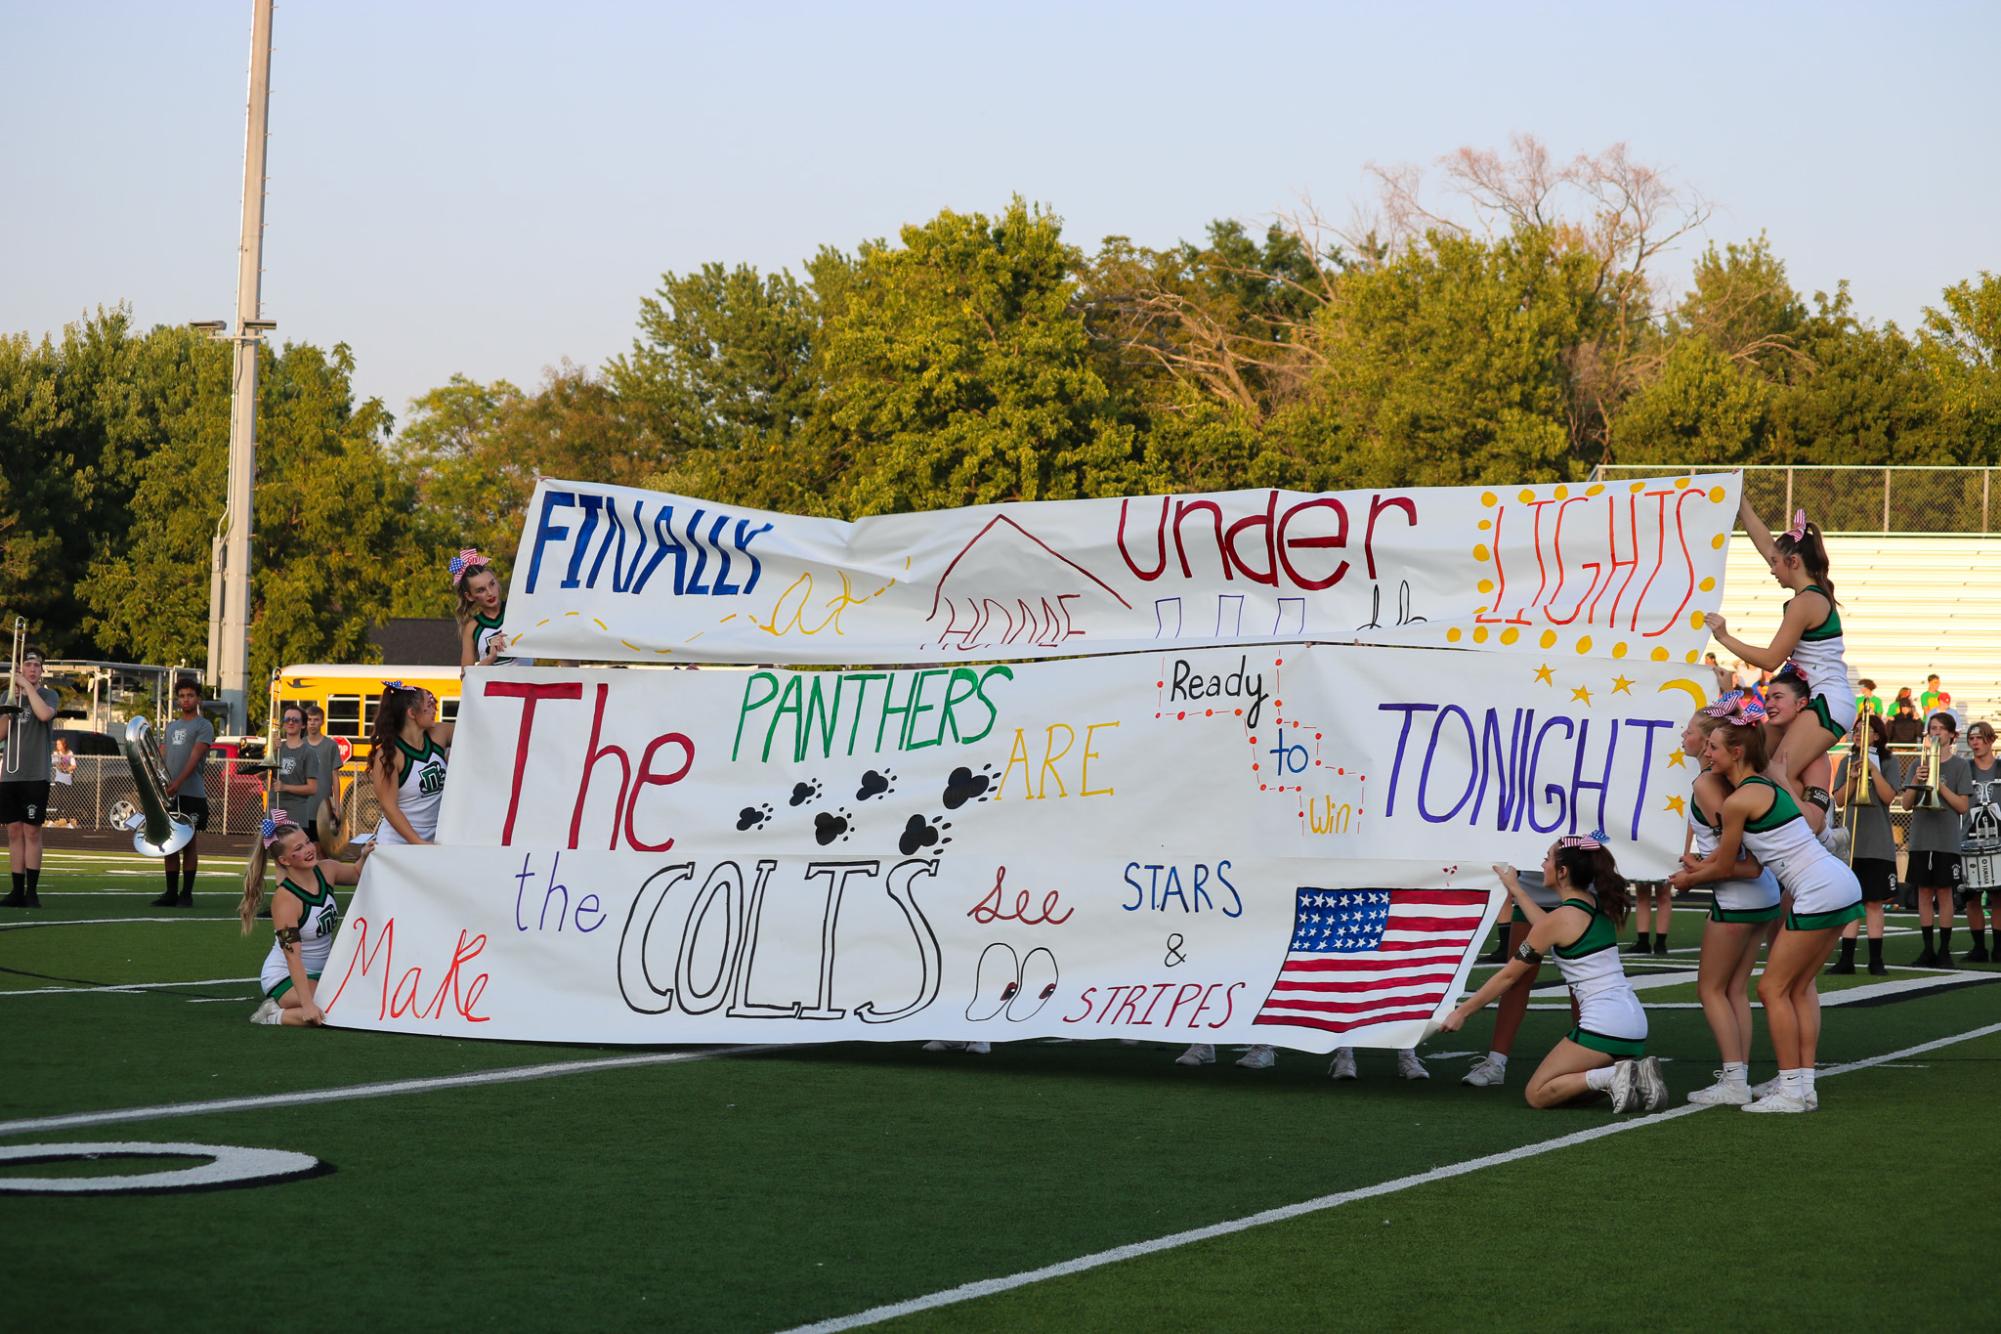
x: 959, y: 371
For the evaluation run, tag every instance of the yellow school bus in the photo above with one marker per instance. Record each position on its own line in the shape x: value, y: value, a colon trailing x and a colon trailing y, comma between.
x: 349, y: 695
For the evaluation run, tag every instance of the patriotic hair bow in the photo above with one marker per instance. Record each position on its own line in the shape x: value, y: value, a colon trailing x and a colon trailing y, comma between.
x: 1589, y: 842
x: 466, y: 562
x: 275, y: 824
x: 1750, y: 711
x: 1725, y: 704
x: 1798, y: 530
x: 395, y: 685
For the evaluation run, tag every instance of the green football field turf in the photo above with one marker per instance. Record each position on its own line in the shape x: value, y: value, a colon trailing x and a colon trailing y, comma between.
x: 627, y: 1188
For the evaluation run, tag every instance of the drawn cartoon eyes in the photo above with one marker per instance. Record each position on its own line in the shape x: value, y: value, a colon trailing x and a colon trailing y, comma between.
x: 1037, y: 985
x: 995, y: 983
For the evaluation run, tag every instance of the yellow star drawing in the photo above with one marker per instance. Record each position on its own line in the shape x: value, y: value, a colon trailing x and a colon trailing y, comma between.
x: 1677, y: 759
x: 1542, y: 675
x: 1677, y: 805
x: 1583, y: 693
x: 1621, y: 686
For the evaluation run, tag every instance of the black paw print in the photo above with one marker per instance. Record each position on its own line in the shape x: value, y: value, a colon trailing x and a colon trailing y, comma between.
x: 964, y: 785
x: 805, y: 792
x: 753, y: 817
x: 831, y: 826
x: 876, y: 783
x: 921, y: 833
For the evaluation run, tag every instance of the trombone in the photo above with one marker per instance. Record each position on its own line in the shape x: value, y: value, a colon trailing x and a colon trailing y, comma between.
x: 12, y: 708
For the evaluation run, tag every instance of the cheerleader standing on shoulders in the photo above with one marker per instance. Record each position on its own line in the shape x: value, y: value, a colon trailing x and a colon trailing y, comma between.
x: 1743, y: 905
x: 1810, y: 635
x: 304, y: 918
x: 1760, y: 816
x: 480, y: 611
x: 407, y: 759
x: 1606, y: 1051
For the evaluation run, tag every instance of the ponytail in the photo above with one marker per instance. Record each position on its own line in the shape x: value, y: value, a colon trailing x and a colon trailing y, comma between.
x: 253, y: 885
x: 1812, y: 552
x: 1594, y: 869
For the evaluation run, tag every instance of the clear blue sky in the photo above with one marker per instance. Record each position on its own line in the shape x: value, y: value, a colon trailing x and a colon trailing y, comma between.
x: 490, y: 188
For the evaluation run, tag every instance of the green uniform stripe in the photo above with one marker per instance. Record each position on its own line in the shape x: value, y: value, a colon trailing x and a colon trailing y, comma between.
x: 1821, y: 921
x: 1632, y: 1048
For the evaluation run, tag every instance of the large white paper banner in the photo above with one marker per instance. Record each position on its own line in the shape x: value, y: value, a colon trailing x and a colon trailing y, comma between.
x: 681, y: 856
x: 1625, y: 570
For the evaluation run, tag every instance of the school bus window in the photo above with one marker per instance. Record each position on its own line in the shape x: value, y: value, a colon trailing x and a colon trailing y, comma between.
x: 344, y: 716
x: 448, y: 710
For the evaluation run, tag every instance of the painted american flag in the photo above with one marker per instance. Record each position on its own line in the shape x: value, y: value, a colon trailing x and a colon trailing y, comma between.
x: 1371, y: 956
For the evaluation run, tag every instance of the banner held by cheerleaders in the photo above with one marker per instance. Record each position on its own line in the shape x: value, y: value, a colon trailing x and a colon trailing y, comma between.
x: 755, y: 855
x: 1624, y: 570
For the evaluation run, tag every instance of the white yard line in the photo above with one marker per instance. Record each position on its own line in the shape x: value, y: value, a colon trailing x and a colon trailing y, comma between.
x: 1083, y: 1263
x: 343, y: 1093
x: 128, y: 986
x: 114, y: 921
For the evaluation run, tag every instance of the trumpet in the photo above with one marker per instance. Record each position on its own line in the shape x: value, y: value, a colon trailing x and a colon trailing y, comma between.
x: 155, y: 830
x: 1931, y: 764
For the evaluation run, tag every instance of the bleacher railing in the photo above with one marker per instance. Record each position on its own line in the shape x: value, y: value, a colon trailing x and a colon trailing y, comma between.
x: 1899, y: 500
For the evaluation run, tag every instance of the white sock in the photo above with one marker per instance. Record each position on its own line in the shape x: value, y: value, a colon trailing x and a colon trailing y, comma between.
x: 1806, y: 1080
x: 1793, y: 1082
x: 1499, y: 1059
x: 1736, y: 1072
x: 1599, y: 1080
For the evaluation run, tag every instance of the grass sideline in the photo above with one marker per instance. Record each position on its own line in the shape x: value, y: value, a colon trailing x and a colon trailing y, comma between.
x: 807, y: 1184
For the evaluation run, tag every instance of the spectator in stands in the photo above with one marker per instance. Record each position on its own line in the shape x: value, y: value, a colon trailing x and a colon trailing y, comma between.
x: 1945, y: 706
x: 1928, y: 702
x: 1906, y: 728
x: 1869, y: 702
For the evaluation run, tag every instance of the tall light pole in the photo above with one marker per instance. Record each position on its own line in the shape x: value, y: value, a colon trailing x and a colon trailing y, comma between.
x: 229, y: 647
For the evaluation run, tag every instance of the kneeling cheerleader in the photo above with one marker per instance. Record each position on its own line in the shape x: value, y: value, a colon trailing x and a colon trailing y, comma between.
x: 1606, y: 1051
x: 304, y: 918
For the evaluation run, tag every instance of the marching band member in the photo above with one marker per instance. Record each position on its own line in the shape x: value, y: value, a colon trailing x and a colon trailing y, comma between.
x: 1809, y: 635
x: 1742, y: 905
x: 185, y: 756
x: 480, y: 610
x: 409, y: 751
x: 1983, y: 788
x: 1875, y: 846
x: 1933, y: 867
x: 24, y: 778
x: 304, y: 918
x: 1606, y: 1051
x: 1761, y: 816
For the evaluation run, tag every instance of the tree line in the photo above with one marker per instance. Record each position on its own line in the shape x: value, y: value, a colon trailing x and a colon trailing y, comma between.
x: 1512, y: 326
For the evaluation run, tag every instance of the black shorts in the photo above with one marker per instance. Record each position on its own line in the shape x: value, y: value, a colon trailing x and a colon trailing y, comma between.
x: 1879, y: 878
x: 192, y: 809
x: 1934, y: 870
x: 24, y: 803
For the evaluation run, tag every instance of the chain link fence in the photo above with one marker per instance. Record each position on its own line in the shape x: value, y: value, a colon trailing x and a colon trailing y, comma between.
x: 1896, y: 500
x: 236, y: 797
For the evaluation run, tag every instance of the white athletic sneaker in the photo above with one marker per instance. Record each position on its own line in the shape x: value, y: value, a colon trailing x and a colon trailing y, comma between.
x: 1771, y: 1086
x: 1199, y: 1054
x: 1344, y: 1064
x: 1723, y: 1093
x: 978, y: 1048
x: 270, y: 1012
x: 1259, y: 1057
x: 1653, y: 1088
x: 1625, y: 1086
x: 941, y: 1045
x: 1409, y: 1067
x: 1777, y: 1102
x: 1485, y: 1074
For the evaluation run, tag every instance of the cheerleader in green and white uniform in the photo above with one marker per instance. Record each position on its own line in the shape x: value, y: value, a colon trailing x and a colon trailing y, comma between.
x: 408, y: 752
x: 1742, y: 907
x: 480, y: 611
x: 1606, y: 1051
x: 1809, y: 636
x: 304, y: 918
x: 1761, y: 818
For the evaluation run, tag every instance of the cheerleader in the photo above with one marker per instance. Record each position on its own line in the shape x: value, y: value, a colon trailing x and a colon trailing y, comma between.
x: 1738, y: 914
x: 1606, y: 1051
x: 481, y: 644
x: 409, y: 747
x: 1809, y: 635
x: 304, y: 918
x: 1788, y: 705
x: 1761, y: 816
